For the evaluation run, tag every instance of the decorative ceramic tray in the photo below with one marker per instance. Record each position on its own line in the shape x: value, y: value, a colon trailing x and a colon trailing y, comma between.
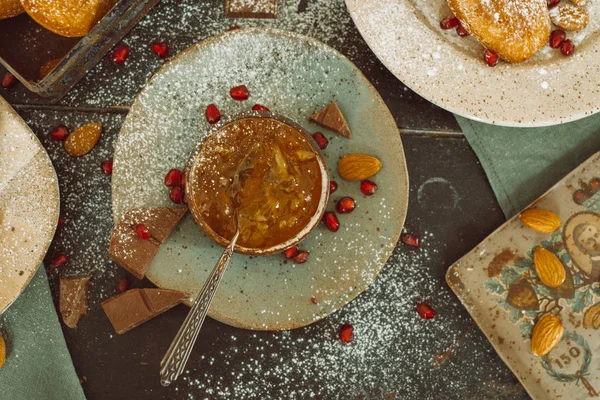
x: 498, y: 285
x: 294, y: 76
x: 29, y: 204
x: 448, y: 70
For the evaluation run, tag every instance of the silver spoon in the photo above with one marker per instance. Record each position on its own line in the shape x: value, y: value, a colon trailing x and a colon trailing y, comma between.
x: 174, y: 361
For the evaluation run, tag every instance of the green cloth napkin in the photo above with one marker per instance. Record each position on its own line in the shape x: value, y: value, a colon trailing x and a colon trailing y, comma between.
x: 38, y: 364
x: 522, y: 163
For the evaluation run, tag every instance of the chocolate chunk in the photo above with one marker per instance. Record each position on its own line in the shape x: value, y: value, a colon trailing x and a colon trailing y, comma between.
x: 134, y: 253
x: 332, y: 118
x: 73, y: 302
x: 251, y: 8
x: 136, y: 306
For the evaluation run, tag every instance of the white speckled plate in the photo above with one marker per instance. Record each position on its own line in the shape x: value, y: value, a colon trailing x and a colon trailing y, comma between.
x: 29, y: 204
x: 448, y: 70
x: 293, y: 76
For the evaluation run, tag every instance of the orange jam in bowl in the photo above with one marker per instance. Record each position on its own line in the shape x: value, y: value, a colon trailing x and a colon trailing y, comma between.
x: 281, y: 188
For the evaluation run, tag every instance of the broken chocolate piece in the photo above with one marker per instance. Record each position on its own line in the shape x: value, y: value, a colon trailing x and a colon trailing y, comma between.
x: 134, y: 253
x: 136, y: 306
x: 73, y: 303
x: 251, y: 8
x: 331, y: 117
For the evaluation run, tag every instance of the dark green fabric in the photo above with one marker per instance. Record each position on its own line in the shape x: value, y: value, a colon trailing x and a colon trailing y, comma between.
x: 38, y: 364
x: 522, y: 163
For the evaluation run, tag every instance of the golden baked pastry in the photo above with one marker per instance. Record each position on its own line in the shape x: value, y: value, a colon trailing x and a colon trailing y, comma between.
x: 513, y: 29
x: 71, y: 18
x: 10, y: 8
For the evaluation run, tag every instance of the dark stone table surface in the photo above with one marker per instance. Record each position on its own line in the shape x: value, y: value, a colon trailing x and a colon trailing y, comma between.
x: 395, y: 353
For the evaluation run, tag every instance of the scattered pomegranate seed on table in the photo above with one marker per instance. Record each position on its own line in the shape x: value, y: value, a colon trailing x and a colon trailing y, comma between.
x: 258, y: 107
x: 234, y: 28
x: 490, y: 57
x: 567, y: 47
x: 331, y: 221
x: 107, y: 167
x: 142, y: 231
x: 123, y: 284
x: 368, y: 187
x: 345, y: 205
x: 291, y: 252
x: 333, y: 186
x: 552, y: 3
x: 314, y: 300
x: 239, y: 92
x: 449, y: 23
x: 176, y: 195
x: 160, y: 49
x: 60, y: 223
x: 425, y: 311
x: 557, y: 37
x: 346, y: 333
x: 8, y: 80
x: 410, y: 239
x: 301, y: 257
x: 58, y: 261
x: 321, y: 140
x: 213, y: 115
x: 461, y: 31
x: 120, y: 55
x: 173, y: 178
x: 59, y: 134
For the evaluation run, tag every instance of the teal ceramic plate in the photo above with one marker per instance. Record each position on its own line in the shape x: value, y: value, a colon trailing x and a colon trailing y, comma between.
x: 293, y: 76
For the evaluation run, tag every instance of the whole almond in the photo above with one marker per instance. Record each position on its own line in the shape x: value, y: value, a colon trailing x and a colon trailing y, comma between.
x: 540, y: 220
x: 549, y: 268
x: 569, y: 17
x: 546, y: 334
x: 2, y: 351
x: 82, y: 140
x: 356, y: 167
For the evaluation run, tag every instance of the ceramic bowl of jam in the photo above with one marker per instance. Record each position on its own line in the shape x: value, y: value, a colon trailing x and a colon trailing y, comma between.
x: 282, y: 185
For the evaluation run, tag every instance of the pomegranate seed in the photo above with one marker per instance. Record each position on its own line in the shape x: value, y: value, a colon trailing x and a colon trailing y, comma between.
x: 142, y: 231
x: 107, y: 167
x: 160, y: 49
x: 331, y: 221
x: 552, y: 3
x: 301, y: 257
x: 213, y: 115
x: 258, y: 107
x: 368, y: 187
x: 314, y: 300
x: 239, y: 92
x: 490, y: 57
x: 291, y: 252
x: 567, y: 47
x: 557, y: 37
x: 410, y: 239
x: 123, y: 284
x: 425, y: 311
x: 461, y: 31
x: 8, y: 80
x: 321, y: 140
x: 60, y: 223
x: 59, y: 134
x: 333, y: 186
x: 173, y: 178
x: 449, y: 23
x: 346, y: 333
x: 176, y: 195
x: 595, y: 184
x: 119, y: 56
x: 346, y: 205
x: 234, y: 28
x: 58, y: 261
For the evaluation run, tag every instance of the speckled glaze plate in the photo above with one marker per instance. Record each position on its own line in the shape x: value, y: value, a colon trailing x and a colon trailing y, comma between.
x: 498, y: 284
x: 448, y: 70
x: 293, y: 76
x: 29, y: 204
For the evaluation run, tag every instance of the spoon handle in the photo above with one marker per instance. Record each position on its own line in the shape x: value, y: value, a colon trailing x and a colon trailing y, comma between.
x: 174, y: 361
